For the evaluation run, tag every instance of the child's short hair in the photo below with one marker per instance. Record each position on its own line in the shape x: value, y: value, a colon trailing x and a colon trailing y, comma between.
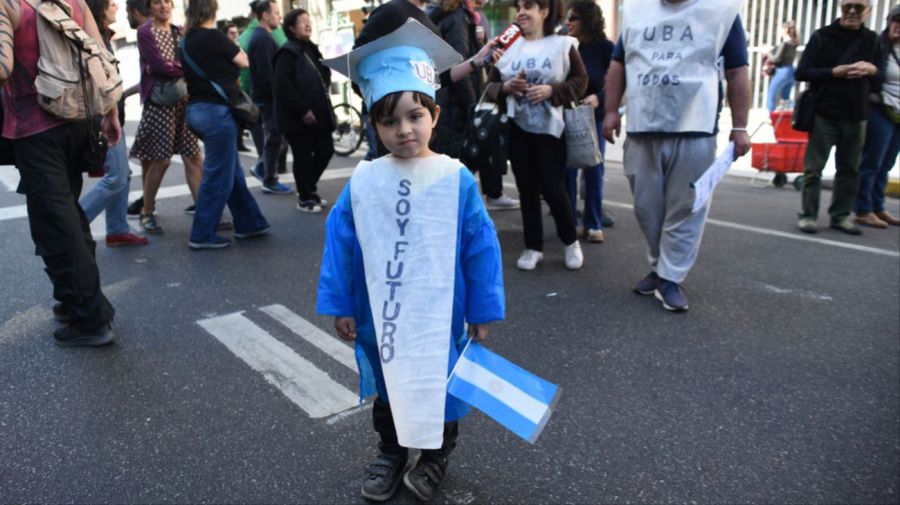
x: 384, y: 108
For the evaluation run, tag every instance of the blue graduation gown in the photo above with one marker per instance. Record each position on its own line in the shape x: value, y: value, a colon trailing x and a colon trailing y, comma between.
x: 478, y: 292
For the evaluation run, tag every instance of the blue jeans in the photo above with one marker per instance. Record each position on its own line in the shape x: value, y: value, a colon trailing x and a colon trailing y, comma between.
x: 593, y: 190
x: 111, y: 192
x: 879, y: 155
x: 223, y: 177
x: 780, y: 85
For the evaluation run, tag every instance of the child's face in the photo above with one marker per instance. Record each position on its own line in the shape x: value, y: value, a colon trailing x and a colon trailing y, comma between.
x: 407, y: 131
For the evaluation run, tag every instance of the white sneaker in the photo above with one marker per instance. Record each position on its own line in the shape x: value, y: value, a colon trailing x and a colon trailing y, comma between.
x: 574, y: 258
x: 529, y: 259
x: 502, y: 203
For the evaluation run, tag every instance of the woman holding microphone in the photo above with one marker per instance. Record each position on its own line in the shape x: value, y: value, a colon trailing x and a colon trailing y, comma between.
x: 537, y: 75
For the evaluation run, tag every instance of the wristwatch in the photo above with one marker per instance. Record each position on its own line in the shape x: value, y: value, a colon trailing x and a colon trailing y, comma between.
x: 472, y: 64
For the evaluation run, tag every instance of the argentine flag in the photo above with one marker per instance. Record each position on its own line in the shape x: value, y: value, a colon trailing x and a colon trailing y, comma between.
x: 519, y: 400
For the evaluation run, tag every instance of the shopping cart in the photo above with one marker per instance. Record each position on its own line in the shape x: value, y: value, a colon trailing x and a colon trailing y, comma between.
x: 785, y: 155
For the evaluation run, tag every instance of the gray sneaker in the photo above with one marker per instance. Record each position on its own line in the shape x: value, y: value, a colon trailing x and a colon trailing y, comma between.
x: 808, y: 225
x: 672, y: 296
x: 503, y: 202
x: 845, y: 224
x: 647, y: 285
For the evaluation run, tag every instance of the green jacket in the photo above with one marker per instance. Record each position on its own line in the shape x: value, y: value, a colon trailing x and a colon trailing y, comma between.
x: 244, y: 42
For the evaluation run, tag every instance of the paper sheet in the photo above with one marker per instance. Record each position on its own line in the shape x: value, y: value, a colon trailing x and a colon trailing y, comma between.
x: 706, y: 184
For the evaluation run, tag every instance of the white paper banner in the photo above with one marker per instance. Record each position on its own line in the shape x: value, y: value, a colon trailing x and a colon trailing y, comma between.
x: 706, y: 183
x: 405, y: 214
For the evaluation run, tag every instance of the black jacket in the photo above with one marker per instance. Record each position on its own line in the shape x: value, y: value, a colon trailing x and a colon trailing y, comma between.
x: 846, y: 99
x: 300, y: 87
x: 388, y: 17
x: 259, y: 51
x: 456, y: 99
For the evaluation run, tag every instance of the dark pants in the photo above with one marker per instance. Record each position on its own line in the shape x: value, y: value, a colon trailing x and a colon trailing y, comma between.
x: 847, y: 138
x: 491, y: 180
x: 50, y: 164
x: 312, y: 152
x: 274, y: 149
x: 383, y: 421
x: 539, y: 164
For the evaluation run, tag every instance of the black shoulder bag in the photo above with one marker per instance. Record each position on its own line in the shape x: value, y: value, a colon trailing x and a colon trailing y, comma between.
x: 244, y: 111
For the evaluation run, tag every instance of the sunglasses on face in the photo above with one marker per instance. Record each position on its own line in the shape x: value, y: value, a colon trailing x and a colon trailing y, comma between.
x: 573, y: 18
x: 859, y: 8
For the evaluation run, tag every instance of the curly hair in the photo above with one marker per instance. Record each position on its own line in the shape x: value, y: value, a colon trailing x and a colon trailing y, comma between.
x: 198, y: 12
x: 593, y: 25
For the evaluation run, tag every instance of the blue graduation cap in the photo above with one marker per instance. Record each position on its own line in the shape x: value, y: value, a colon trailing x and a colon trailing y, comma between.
x: 408, y: 59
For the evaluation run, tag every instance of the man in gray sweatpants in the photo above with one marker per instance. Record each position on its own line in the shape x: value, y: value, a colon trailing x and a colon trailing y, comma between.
x: 670, y: 60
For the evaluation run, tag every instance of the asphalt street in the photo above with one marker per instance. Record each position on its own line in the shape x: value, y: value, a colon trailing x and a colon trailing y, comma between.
x: 781, y: 384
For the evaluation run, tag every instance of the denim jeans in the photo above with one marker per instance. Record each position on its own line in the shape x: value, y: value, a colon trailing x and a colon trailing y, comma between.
x: 111, y: 192
x: 223, y: 178
x: 780, y: 85
x: 879, y: 155
x: 593, y: 190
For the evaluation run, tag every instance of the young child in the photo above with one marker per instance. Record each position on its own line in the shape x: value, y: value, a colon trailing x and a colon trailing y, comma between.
x: 410, y: 255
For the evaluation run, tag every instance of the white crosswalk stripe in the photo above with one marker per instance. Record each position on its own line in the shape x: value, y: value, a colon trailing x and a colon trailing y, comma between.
x: 19, y: 211
x: 312, y: 334
x: 9, y: 178
x: 311, y: 388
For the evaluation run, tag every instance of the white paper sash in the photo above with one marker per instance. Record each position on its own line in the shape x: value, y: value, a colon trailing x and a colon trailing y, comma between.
x: 672, y: 62
x: 405, y: 214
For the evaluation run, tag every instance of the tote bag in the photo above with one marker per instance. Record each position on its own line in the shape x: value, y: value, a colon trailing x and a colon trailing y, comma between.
x: 582, y: 142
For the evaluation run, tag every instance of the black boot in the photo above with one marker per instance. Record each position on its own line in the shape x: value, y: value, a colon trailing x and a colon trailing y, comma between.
x: 383, y: 475
x: 430, y: 468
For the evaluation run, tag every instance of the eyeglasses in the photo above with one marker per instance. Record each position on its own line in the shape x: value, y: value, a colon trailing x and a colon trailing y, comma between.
x: 859, y: 8
x: 572, y: 19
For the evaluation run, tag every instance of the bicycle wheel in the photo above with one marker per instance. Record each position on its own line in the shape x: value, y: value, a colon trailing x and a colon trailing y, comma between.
x: 348, y: 133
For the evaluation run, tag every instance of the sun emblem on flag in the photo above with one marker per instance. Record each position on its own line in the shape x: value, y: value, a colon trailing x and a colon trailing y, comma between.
x: 496, y: 387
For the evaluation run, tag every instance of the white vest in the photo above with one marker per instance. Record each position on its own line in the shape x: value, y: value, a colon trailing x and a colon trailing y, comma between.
x: 545, y: 61
x: 672, y: 64
x: 405, y: 213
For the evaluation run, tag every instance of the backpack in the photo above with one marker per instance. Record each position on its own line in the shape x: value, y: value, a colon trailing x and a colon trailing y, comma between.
x: 77, y: 77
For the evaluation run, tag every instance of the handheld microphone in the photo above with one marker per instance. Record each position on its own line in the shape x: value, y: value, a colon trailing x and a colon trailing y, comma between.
x: 506, y: 39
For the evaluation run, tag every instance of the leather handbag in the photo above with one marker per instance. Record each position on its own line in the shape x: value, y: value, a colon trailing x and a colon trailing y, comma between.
x: 245, y: 112
x: 486, y: 144
x: 767, y: 68
x: 804, y: 111
x: 168, y: 92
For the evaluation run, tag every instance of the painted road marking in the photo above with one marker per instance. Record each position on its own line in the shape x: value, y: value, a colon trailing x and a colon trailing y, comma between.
x: 312, y: 389
x: 19, y: 211
x: 773, y: 233
x: 9, y: 178
x: 312, y: 334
